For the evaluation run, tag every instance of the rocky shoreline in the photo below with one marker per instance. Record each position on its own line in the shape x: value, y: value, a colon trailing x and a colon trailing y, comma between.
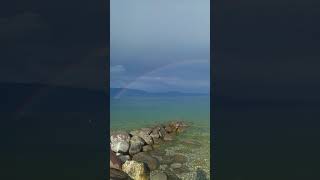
x: 134, y: 155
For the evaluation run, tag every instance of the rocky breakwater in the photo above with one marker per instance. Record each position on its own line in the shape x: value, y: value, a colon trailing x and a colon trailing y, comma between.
x: 131, y: 152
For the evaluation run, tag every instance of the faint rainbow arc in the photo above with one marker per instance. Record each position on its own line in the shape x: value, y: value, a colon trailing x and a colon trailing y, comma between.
x: 161, y: 68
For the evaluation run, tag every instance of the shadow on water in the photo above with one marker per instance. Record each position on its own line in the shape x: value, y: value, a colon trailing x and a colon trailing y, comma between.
x: 201, y: 175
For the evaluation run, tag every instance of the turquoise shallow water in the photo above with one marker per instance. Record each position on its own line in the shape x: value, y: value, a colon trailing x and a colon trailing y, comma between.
x: 133, y: 112
x: 129, y: 113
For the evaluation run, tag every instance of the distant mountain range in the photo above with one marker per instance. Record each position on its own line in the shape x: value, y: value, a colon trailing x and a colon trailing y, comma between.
x: 134, y: 92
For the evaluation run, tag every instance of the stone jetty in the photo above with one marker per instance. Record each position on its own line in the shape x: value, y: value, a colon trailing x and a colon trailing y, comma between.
x: 131, y: 152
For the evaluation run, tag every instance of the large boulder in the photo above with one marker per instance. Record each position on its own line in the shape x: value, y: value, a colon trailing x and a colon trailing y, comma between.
x: 152, y: 162
x: 120, y: 136
x: 136, y: 144
x: 120, y: 146
x: 146, y: 137
x: 136, y: 170
x: 119, y: 142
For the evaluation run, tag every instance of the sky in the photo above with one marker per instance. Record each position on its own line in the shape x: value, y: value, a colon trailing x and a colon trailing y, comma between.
x: 160, y: 46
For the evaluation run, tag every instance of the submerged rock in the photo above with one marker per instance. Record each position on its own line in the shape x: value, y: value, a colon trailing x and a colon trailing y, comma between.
x: 147, y: 148
x: 152, y: 162
x: 136, y: 170
x: 180, y: 158
x: 116, y: 174
x: 200, y: 175
x: 171, y: 175
x: 191, y: 142
x: 168, y: 137
x: 176, y: 165
x: 158, y: 175
x: 136, y: 144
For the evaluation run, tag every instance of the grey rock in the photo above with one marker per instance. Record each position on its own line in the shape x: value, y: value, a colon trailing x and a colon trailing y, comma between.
x: 124, y: 158
x: 146, y: 137
x: 159, y: 175
x: 136, y: 144
x: 146, y: 158
x: 146, y: 130
x: 120, y: 142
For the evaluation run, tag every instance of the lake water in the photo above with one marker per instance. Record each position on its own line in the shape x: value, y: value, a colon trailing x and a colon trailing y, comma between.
x: 129, y: 113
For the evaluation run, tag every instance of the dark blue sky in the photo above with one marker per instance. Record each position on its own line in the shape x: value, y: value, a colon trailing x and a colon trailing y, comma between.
x: 160, y: 45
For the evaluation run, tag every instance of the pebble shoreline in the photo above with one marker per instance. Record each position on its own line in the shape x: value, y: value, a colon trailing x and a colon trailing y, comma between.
x: 133, y: 154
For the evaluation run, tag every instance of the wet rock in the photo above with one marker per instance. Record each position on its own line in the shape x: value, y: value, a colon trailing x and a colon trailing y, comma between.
x: 115, y: 162
x: 152, y: 162
x: 136, y: 170
x: 147, y: 148
x: 180, y: 158
x: 116, y: 174
x: 146, y: 137
x: 176, y: 165
x: 159, y: 175
x: 124, y: 158
x: 136, y: 144
x: 168, y: 137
